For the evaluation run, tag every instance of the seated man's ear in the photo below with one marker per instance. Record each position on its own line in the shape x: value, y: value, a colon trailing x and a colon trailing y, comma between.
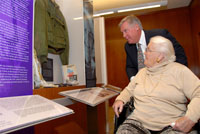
x: 160, y: 58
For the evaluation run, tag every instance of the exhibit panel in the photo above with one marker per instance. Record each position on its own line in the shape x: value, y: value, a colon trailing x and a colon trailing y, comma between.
x: 16, y: 21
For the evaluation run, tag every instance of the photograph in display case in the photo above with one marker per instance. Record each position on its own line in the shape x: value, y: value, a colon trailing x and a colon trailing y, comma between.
x: 91, y: 96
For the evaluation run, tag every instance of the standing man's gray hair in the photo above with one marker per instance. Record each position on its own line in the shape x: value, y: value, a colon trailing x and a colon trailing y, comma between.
x: 132, y: 20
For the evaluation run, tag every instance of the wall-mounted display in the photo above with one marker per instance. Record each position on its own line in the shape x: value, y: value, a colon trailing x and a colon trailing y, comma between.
x: 16, y: 21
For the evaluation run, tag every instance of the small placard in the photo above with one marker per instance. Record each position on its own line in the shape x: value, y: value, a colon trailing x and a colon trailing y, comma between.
x: 47, y: 70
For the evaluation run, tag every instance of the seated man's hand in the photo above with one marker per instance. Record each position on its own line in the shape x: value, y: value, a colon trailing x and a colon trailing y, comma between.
x: 184, y: 124
x: 118, y: 107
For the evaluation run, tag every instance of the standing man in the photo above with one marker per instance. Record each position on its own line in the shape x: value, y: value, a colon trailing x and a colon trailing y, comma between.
x: 137, y: 40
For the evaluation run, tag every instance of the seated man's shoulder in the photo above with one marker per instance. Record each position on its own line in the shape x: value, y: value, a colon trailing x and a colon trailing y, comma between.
x: 175, y: 66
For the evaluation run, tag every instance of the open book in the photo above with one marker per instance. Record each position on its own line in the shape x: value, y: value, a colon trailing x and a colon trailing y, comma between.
x: 24, y: 111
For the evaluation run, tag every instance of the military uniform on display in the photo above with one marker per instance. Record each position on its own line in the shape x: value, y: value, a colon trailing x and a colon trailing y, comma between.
x: 50, y: 31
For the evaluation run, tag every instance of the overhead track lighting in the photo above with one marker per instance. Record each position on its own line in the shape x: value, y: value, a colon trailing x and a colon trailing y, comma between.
x: 105, y: 13
x: 133, y: 7
x: 138, y: 8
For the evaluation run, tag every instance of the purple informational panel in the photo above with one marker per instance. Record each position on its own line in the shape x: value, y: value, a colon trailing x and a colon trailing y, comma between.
x: 16, y: 21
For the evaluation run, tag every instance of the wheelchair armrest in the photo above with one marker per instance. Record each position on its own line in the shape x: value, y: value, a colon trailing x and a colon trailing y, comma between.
x: 127, y: 110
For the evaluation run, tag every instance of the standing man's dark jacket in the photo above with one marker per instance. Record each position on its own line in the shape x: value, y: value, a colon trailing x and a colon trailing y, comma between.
x: 131, y: 51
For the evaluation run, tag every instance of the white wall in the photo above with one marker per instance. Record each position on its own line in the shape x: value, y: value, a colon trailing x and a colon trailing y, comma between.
x: 72, y: 9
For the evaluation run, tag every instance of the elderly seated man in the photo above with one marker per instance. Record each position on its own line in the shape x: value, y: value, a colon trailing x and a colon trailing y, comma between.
x: 166, y: 94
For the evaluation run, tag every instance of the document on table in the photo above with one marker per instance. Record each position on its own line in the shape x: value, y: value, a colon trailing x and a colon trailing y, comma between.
x: 23, y: 111
x: 91, y: 96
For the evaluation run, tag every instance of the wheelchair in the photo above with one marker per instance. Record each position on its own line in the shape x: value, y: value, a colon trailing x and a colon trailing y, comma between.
x: 128, y: 108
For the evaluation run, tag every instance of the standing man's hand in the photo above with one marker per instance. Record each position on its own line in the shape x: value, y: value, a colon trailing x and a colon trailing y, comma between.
x: 183, y: 124
x: 118, y: 107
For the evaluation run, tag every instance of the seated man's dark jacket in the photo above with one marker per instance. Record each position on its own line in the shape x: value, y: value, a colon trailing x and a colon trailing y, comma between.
x: 131, y: 51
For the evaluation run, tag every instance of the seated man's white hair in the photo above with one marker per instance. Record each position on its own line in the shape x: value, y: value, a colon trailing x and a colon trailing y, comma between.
x: 164, y: 46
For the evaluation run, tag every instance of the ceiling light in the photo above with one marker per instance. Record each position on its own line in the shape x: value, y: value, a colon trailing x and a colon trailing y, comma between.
x: 105, y: 13
x: 78, y: 18
x: 138, y: 8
